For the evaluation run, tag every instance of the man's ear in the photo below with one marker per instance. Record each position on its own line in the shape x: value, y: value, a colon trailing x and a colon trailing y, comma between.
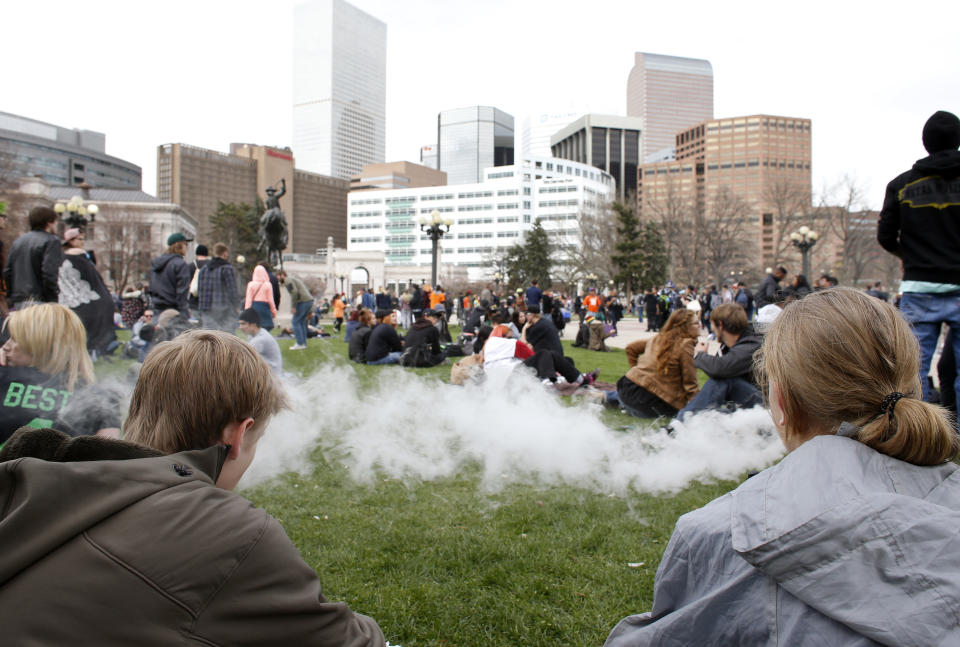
x: 233, y: 435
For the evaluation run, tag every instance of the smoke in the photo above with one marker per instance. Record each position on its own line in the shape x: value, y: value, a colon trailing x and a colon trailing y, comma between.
x: 417, y: 428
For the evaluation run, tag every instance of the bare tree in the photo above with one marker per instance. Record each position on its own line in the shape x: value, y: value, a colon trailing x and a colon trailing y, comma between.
x: 120, y: 243
x: 682, y: 224
x: 789, y: 201
x: 593, y: 253
x: 855, y: 232
x: 725, y: 236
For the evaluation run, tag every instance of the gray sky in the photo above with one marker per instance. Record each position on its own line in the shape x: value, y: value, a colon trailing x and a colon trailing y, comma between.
x: 211, y: 72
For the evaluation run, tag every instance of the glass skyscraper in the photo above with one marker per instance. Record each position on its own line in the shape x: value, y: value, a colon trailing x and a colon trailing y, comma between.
x: 339, y: 88
x: 471, y: 140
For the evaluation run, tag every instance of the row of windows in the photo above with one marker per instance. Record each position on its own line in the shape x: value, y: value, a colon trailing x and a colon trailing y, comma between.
x: 509, y: 205
x: 366, y: 225
x: 402, y: 212
x: 365, y: 201
x: 401, y: 200
x: 366, y: 214
x: 477, y: 194
x: 508, y: 192
x: 508, y: 234
x: 475, y: 234
x: 432, y: 209
x: 782, y: 125
x: 428, y: 198
x: 475, y: 221
x: 509, y: 219
x: 475, y: 207
x: 400, y: 225
x: 563, y: 188
x: 401, y: 239
x: 557, y: 203
x: 474, y: 250
x: 562, y: 232
x: 495, y: 176
x: 559, y: 216
x: 367, y: 239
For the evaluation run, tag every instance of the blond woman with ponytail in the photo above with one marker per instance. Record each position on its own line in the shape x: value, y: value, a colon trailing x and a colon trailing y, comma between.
x: 854, y: 537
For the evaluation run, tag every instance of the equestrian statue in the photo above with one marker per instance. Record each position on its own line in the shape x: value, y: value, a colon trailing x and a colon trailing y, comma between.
x: 273, y: 226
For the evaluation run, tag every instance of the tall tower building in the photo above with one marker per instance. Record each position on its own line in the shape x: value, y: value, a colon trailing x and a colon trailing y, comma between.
x: 472, y: 139
x: 607, y: 142
x: 339, y: 88
x: 670, y: 94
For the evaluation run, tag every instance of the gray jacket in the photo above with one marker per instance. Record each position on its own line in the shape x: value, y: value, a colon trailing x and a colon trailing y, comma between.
x: 836, y: 545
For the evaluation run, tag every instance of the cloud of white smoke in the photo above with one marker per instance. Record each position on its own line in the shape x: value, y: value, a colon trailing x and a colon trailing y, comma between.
x: 415, y: 428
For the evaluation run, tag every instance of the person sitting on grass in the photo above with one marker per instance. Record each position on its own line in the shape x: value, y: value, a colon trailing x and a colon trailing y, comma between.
x: 384, y: 346
x: 662, y: 378
x: 141, y: 541
x: 42, y: 363
x: 851, y: 538
x: 357, y: 348
x: 540, y: 332
x: 731, y: 371
x: 425, y: 335
x: 262, y: 341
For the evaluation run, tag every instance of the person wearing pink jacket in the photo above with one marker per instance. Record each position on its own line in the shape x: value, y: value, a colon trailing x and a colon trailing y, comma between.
x: 260, y: 297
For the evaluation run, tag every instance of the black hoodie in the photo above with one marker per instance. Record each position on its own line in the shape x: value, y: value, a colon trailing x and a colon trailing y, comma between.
x: 170, y: 283
x: 920, y: 219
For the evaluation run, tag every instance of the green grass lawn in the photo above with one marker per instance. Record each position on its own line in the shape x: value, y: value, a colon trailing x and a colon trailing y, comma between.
x: 446, y: 563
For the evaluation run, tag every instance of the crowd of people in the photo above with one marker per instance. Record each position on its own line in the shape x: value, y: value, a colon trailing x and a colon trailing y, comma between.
x: 850, y: 539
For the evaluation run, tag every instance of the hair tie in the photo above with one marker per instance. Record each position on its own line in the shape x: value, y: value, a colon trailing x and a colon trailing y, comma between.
x: 889, y: 403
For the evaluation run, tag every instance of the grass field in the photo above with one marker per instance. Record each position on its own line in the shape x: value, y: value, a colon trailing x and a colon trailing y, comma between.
x: 444, y: 563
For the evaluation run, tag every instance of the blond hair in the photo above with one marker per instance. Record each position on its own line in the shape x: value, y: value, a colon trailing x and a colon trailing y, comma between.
x: 191, y: 388
x: 54, y: 335
x: 835, y: 356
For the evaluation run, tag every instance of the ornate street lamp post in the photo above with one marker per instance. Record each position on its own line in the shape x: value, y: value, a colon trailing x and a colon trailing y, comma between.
x: 76, y: 211
x: 804, y: 239
x: 342, y: 278
x: 496, y: 279
x: 592, y: 278
x: 435, y: 229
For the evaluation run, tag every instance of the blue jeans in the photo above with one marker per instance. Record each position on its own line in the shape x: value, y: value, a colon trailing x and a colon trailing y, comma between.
x: 926, y: 313
x: 299, y: 323
x: 389, y: 358
x: 717, y: 392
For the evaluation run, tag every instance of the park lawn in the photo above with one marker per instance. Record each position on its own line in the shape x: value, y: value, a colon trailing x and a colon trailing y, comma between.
x: 443, y: 563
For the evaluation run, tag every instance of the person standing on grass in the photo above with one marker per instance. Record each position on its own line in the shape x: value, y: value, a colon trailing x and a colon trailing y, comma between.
x: 260, y: 297
x: 261, y: 340
x: 338, y: 306
x: 920, y: 223
x: 172, y: 557
x: 302, y: 303
x: 32, y: 272
x: 217, y: 294
x: 170, y: 276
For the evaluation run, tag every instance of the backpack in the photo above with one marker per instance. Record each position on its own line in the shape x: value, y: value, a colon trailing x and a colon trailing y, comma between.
x: 417, y: 356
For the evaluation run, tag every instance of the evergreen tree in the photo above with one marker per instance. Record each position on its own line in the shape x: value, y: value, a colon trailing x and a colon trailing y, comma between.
x: 653, y: 265
x: 237, y: 225
x: 629, y: 256
x: 531, y: 260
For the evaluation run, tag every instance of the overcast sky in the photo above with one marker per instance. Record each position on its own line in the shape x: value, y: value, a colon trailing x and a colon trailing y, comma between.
x: 211, y: 72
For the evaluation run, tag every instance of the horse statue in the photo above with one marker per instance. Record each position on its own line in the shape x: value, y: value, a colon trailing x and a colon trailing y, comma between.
x: 273, y: 226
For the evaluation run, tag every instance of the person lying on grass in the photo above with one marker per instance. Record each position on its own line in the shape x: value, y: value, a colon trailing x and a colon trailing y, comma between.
x: 141, y: 541
x: 849, y: 540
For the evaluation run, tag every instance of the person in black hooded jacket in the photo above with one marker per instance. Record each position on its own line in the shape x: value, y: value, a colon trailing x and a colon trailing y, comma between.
x: 920, y: 223
x: 424, y: 332
x: 170, y: 276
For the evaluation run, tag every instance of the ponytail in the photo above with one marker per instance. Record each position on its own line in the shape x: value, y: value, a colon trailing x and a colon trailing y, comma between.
x: 913, y: 431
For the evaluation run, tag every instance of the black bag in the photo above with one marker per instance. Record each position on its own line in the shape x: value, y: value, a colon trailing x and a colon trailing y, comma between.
x: 417, y: 356
x: 453, y: 350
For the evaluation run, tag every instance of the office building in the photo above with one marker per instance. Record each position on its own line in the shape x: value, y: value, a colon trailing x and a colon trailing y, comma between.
x: 197, y: 179
x: 487, y: 217
x: 669, y: 94
x: 761, y: 160
x: 339, y: 88
x: 607, y: 142
x: 60, y: 156
x: 397, y: 175
x: 536, y: 131
x: 428, y: 156
x: 471, y: 140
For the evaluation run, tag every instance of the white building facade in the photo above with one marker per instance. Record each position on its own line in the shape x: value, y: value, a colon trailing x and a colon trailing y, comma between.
x: 470, y: 140
x: 487, y: 217
x: 339, y: 88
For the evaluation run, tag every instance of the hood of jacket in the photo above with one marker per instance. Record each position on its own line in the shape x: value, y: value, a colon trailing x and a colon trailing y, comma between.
x: 160, y: 262
x: 260, y: 274
x: 941, y: 163
x: 863, y: 538
x: 54, y: 487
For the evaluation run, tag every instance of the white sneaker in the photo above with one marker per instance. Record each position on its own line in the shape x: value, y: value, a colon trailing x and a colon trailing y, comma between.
x: 297, y: 347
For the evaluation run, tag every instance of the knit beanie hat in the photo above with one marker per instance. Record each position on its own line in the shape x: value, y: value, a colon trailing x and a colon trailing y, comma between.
x: 941, y: 132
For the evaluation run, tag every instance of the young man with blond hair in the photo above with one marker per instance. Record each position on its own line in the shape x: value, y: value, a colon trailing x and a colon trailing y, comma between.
x: 141, y: 542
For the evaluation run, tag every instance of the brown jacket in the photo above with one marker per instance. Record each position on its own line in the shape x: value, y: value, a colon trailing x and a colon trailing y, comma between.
x: 148, y: 551
x: 677, y: 384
